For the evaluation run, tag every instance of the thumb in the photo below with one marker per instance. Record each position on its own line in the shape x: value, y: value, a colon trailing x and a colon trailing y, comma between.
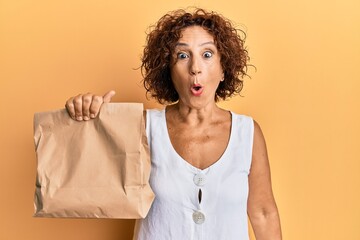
x: 107, y: 97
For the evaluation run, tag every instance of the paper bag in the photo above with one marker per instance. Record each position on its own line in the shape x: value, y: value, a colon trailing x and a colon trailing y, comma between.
x: 93, y: 169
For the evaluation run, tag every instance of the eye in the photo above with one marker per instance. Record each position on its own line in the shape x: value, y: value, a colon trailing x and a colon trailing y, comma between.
x: 182, y: 55
x: 207, y: 54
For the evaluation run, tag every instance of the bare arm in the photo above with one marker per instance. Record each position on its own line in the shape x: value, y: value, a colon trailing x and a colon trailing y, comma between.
x: 262, y: 210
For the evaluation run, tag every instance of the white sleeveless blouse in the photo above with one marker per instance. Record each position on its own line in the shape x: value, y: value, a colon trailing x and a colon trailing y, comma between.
x: 176, y: 213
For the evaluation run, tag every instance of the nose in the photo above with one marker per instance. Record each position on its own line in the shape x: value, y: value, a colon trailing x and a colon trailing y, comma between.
x: 195, y: 68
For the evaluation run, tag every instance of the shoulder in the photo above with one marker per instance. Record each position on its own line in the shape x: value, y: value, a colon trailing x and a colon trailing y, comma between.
x: 257, y: 128
x: 242, y: 117
x: 251, y: 128
x: 259, y: 146
x: 153, y: 112
x: 258, y: 134
x: 246, y: 119
x: 149, y: 114
x: 242, y: 122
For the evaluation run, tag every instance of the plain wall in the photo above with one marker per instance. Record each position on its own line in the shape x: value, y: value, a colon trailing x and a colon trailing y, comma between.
x: 304, y: 94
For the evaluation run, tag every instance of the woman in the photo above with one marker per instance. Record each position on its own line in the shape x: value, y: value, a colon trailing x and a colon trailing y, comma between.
x: 209, y: 166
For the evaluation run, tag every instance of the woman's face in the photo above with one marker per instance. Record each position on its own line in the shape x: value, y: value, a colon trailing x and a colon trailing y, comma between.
x: 195, y: 69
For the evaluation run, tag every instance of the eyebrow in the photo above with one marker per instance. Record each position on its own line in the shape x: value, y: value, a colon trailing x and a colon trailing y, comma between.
x: 186, y: 45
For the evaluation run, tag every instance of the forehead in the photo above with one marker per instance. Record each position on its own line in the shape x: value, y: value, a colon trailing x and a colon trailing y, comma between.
x: 195, y: 33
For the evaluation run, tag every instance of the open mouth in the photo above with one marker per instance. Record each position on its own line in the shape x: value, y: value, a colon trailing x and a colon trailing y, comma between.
x: 197, y: 89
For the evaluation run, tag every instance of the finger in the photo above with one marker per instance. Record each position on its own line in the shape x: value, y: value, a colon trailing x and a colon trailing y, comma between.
x: 107, y: 97
x: 86, y: 102
x: 96, y: 103
x: 78, y: 107
x: 70, y: 107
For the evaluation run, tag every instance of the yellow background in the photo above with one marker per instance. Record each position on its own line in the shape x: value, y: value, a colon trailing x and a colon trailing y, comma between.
x: 304, y: 94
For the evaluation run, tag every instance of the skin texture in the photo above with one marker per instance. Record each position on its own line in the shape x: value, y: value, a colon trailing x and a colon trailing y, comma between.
x: 262, y: 209
x: 196, y: 61
x: 199, y: 130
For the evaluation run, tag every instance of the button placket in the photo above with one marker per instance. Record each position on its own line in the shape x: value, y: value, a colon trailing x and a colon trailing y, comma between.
x: 199, y: 180
x: 198, y: 217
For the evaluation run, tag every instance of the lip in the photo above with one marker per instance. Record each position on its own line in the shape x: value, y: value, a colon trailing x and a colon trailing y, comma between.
x: 196, y: 89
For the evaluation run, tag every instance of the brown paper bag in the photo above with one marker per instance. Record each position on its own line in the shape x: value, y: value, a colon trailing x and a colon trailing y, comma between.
x: 94, y: 169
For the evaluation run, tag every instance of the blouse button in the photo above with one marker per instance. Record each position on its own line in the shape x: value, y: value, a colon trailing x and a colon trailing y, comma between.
x: 199, y: 179
x: 198, y: 217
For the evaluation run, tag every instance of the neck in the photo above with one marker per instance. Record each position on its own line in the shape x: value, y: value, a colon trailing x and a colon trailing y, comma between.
x: 194, y: 116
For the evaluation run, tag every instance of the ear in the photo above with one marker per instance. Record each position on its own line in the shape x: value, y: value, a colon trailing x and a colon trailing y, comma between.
x: 223, y: 77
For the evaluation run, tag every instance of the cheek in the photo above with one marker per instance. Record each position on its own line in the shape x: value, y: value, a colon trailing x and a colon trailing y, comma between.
x: 176, y: 79
x: 215, y: 66
x: 178, y: 72
x: 216, y: 71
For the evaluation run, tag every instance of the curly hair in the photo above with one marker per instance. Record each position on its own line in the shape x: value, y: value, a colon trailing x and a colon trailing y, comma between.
x: 161, y: 41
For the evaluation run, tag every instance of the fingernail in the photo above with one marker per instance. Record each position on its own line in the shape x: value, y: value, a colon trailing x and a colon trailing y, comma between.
x: 86, y: 118
x: 92, y: 115
x: 79, y: 118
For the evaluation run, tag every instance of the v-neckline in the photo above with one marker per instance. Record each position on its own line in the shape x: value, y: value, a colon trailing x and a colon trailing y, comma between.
x: 189, y: 165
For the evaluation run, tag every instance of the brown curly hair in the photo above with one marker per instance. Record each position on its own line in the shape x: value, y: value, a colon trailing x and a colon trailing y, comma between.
x: 161, y: 41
